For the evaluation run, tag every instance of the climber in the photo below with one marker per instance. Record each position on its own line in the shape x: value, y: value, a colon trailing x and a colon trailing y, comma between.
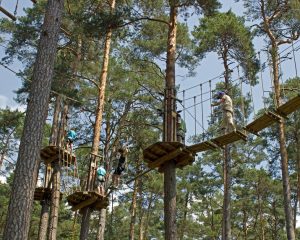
x: 121, y: 157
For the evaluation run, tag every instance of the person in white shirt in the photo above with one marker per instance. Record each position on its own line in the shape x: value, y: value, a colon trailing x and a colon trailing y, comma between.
x: 226, y: 103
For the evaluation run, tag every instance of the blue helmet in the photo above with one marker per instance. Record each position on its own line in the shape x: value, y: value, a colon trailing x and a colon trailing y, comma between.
x: 220, y: 93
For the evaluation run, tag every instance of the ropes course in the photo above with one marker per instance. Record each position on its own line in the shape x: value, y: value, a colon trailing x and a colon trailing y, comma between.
x: 203, y: 98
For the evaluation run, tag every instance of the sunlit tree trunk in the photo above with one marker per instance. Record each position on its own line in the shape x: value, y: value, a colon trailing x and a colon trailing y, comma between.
x: 283, y: 151
x: 26, y: 172
x: 99, y: 114
x: 169, y: 128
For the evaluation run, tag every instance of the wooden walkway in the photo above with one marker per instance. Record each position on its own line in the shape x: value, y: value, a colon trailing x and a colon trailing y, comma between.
x: 92, y: 199
x: 159, y: 153
x: 51, y: 154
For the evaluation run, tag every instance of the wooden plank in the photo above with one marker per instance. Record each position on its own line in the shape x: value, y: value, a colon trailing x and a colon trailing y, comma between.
x: 264, y: 121
x: 289, y: 107
x: 101, y: 203
x: 203, y: 146
x: 185, y: 160
x: 85, y: 203
x: 165, y: 158
x: 159, y: 149
x: 149, y: 157
x: 229, y: 138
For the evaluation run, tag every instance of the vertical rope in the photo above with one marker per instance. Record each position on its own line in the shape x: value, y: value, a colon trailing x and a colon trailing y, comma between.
x: 16, y: 8
x: 262, y: 81
x: 242, y: 97
x: 202, y: 111
x: 251, y: 93
x: 195, y: 112
x: 183, y: 104
x: 281, y: 78
x: 272, y: 79
x: 210, y: 102
x: 295, y: 63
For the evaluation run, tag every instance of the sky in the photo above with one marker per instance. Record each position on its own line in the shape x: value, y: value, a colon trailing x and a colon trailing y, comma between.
x: 210, y: 68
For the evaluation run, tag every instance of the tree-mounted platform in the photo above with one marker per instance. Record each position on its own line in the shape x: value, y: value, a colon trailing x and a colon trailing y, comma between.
x: 42, y: 193
x: 92, y: 199
x: 289, y: 107
x: 229, y: 138
x: 203, y: 146
x: 159, y: 153
x: 264, y: 121
x: 51, y: 154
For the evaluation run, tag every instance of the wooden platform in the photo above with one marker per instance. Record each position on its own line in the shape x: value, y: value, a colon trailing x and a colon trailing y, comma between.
x: 264, y: 121
x: 229, y: 138
x: 289, y: 107
x: 42, y: 193
x: 159, y: 153
x: 203, y: 146
x: 79, y: 200
x: 51, y: 154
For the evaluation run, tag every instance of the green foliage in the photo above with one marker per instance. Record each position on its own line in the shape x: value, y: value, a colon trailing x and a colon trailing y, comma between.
x: 11, y: 125
x: 226, y: 34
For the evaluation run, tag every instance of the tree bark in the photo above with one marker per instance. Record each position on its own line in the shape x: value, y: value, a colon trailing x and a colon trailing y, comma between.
x: 134, y: 200
x: 55, y: 198
x: 226, y: 220
x: 226, y: 225
x: 298, y: 179
x: 283, y: 151
x: 20, y: 206
x: 56, y: 177
x: 45, y: 203
x: 85, y: 223
x: 102, y: 222
x: 54, y: 128
x: 169, y: 128
x: 183, y: 224
x: 97, y: 128
x: 44, y: 219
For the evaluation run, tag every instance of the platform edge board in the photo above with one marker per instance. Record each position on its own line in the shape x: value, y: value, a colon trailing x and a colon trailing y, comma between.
x: 165, y: 158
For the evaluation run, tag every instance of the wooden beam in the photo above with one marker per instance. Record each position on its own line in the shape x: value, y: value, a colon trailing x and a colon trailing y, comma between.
x: 185, y: 160
x: 85, y: 203
x: 165, y: 158
x: 8, y: 14
x: 149, y: 156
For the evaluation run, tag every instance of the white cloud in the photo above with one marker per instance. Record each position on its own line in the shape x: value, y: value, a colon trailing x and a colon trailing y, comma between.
x: 3, y: 101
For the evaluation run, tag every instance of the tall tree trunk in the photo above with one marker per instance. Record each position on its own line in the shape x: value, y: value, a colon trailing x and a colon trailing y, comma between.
x: 44, y: 219
x: 148, y: 212
x: 183, y: 224
x: 283, y: 151
x: 46, y: 203
x: 102, y: 222
x: 226, y: 225
x: 141, y: 227
x: 56, y: 178
x: 134, y: 199
x: 96, y: 140
x: 55, y: 198
x: 55, y: 121
x: 169, y: 128
x: 297, y: 143
x: 20, y: 206
x: 226, y: 221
